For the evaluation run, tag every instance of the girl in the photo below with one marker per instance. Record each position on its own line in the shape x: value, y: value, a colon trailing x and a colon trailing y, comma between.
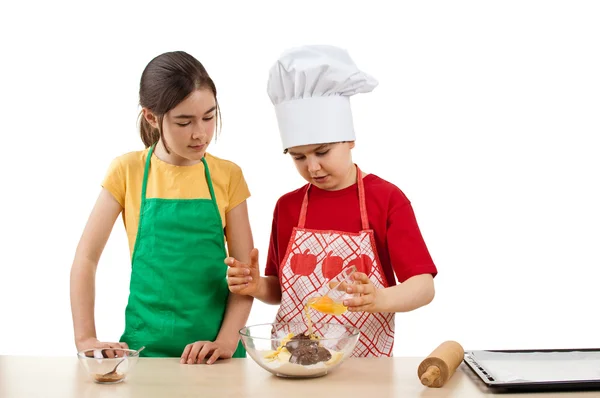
x: 342, y: 217
x: 178, y: 204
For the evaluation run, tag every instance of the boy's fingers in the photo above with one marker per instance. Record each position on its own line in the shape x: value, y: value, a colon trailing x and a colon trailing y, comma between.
x: 237, y: 272
x: 254, y: 258
x: 237, y: 288
x: 355, y: 289
x: 361, y: 277
x: 367, y: 299
x: 353, y: 302
x: 232, y: 262
x: 238, y: 281
x: 362, y: 308
x: 367, y: 288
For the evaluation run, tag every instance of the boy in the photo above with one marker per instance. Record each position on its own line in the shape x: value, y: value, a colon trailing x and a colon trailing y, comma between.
x: 342, y: 217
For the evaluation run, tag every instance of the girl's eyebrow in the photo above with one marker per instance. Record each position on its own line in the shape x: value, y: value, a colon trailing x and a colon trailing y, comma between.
x: 192, y: 116
x: 210, y: 110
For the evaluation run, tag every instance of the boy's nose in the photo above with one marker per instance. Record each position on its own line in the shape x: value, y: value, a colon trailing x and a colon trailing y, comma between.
x: 313, y: 165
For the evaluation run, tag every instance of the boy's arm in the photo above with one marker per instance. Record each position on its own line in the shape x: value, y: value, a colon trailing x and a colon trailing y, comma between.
x: 410, y: 259
x: 269, y: 290
x: 413, y: 293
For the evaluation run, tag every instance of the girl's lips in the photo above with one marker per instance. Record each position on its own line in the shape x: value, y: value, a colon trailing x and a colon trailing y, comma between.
x: 197, y: 147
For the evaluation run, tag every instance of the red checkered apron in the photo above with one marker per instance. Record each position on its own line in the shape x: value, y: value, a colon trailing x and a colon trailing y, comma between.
x: 315, y: 256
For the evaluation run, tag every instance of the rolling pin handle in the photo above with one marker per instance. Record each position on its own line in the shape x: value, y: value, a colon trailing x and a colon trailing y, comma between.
x: 430, y: 375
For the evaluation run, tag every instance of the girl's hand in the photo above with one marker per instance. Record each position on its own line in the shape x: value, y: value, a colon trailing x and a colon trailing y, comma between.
x: 94, y: 343
x: 195, y: 353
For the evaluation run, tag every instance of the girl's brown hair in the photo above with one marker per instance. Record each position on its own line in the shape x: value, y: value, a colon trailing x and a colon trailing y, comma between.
x: 166, y: 81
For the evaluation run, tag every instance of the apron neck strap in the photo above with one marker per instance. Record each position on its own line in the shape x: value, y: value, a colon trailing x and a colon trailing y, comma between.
x: 146, y: 167
x: 361, y: 198
x: 209, y: 180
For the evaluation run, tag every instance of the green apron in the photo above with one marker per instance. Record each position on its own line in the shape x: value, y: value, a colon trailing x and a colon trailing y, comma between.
x: 178, y: 291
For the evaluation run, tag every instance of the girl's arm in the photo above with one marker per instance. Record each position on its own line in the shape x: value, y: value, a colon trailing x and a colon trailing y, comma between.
x: 239, y: 243
x: 83, y: 271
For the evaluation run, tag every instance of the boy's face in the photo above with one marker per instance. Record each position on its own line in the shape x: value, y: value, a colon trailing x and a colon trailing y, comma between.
x: 327, y: 166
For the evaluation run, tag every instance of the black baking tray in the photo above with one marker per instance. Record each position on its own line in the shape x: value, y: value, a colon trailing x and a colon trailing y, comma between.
x: 487, y: 374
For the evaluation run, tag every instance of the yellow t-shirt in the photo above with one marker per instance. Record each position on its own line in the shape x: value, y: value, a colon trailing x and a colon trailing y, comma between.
x: 126, y: 173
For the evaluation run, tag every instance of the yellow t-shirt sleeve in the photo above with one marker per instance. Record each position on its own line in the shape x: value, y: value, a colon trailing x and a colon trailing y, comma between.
x: 238, y: 189
x: 114, y: 181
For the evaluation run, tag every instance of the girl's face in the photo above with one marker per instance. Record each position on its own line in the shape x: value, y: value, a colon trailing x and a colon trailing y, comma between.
x: 326, y: 166
x: 187, y: 129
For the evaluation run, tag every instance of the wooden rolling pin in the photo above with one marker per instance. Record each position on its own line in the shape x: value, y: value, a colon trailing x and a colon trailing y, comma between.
x: 440, y: 365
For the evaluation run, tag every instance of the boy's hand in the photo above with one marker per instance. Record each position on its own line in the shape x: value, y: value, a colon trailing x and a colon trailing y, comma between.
x: 366, y: 294
x: 243, y: 278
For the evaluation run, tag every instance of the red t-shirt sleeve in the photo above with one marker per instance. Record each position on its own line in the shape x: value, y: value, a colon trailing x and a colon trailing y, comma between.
x: 409, y: 255
x: 272, y: 267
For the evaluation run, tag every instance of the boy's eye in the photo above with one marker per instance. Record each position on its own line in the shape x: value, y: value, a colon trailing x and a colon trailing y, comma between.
x: 322, y: 153
x: 183, y: 124
x: 299, y: 157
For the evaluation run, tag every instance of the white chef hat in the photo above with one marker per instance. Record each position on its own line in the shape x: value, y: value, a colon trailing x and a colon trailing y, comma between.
x: 310, y: 87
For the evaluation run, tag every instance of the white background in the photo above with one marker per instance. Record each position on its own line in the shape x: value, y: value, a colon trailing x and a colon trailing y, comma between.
x: 486, y: 116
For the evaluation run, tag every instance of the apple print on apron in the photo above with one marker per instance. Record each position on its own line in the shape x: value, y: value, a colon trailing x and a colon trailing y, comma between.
x: 315, y: 256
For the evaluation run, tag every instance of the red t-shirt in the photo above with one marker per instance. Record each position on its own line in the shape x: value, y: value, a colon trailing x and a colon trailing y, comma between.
x: 398, y: 239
